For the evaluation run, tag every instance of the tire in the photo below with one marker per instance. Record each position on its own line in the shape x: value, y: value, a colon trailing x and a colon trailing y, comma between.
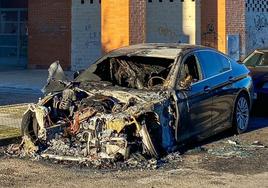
x: 241, y: 114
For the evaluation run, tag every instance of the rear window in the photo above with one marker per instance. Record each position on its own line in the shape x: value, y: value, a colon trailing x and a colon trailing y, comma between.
x: 264, y: 60
x: 253, y: 59
x: 213, y: 63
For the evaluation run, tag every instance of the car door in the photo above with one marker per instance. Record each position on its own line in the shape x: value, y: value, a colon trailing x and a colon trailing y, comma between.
x: 217, y: 69
x: 195, y: 106
x: 258, y: 65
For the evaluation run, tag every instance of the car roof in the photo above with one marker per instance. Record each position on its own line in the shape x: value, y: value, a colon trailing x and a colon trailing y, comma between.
x: 162, y: 50
x: 265, y: 50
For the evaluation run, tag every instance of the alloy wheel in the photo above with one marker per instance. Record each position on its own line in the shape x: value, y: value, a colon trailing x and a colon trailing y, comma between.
x: 242, y: 113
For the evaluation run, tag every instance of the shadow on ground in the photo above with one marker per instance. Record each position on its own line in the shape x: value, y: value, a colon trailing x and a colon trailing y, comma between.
x: 258, y: 120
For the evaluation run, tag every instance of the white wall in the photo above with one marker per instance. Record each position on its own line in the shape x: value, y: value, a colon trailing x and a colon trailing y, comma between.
x: 86, y: 33
x: 256, y: 25
x: 173, y: 21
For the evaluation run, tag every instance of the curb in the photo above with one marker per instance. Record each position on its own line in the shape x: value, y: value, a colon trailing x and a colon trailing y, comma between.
x: 11, y: 140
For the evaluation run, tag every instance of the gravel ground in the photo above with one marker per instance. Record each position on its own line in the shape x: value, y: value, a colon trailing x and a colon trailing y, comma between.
x: 224, y: 160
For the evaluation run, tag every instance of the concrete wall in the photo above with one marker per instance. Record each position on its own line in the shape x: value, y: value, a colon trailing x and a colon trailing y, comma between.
x: 173, y: 21
x: 256, y: 24
x: 49, y: 24
x: 86, y: 33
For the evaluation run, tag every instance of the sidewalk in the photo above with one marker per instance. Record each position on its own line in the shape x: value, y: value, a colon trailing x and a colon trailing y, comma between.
x: 26, y: 79
x: 22, y: 86
x: 23, y: 79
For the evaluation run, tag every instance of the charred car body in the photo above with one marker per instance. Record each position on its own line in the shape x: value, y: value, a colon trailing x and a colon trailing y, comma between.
x: 145, y: 98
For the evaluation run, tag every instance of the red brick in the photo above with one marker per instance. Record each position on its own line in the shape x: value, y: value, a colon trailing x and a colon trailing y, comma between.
x: 49, y: 33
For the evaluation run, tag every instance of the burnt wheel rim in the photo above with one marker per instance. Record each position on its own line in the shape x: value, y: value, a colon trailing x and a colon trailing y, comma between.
x: 242, y: 113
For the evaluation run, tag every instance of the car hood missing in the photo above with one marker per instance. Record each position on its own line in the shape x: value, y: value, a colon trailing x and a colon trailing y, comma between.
x: 95, y: 120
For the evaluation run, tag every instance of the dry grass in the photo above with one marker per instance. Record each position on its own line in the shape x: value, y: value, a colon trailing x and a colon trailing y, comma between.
x: 13, y: 111
x: 7, y: 132
x: 10, y: 120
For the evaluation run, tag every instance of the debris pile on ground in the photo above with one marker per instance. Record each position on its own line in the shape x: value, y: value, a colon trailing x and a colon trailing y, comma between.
x: 233, y: 148
x: 61, y: 152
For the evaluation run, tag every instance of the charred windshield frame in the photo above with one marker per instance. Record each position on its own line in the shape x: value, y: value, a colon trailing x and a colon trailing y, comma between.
x: 155, y: 67
x: 184, y: 81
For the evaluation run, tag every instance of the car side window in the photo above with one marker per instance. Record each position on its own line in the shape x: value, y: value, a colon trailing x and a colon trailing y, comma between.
x: 213, y: 63
x: 224, y: 62
x: 264, y: 60
x: 190, y: 72
x: 253, y: 59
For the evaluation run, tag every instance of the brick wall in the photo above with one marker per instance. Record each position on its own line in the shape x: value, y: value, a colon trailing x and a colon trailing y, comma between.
x: 235, y: 21
x: 209, y: 22
x: 137, y: 21
x: 49, y: 33
x: 86, y: 33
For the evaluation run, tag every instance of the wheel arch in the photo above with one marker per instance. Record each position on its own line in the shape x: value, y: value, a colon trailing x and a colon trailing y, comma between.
x: 239, y: 93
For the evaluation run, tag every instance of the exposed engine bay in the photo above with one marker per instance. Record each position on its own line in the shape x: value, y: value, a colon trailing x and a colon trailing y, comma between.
x: 91, y: 119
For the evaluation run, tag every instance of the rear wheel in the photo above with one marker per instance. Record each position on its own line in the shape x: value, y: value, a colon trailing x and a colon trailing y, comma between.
x: 241, y: 114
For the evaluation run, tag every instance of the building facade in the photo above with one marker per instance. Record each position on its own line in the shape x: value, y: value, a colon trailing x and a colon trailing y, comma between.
x: 99, y: 27
x: 77, y: 32
x: 13, y: 33
x: 235, y: 27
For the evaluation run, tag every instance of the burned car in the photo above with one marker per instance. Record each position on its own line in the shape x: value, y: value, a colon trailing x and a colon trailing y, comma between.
x: 145, y: 98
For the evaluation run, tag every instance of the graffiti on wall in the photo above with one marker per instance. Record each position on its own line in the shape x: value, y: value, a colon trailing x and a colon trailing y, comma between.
x: 93, y: 37
x: 257, y: 30
x: 210, y: 35
x: 86, y: 36
x: 165, y: 31
x: 170, y: 34
x: 260, y: 22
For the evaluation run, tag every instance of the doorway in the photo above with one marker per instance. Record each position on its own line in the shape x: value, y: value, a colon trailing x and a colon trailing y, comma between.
x: 13, y: 34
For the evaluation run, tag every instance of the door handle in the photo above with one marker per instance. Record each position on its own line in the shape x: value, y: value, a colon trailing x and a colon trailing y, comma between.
x: 207, y: 89
x: 231, y: 79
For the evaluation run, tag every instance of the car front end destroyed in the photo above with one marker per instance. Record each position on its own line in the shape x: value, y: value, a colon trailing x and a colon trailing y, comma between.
x: 124, y: 112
